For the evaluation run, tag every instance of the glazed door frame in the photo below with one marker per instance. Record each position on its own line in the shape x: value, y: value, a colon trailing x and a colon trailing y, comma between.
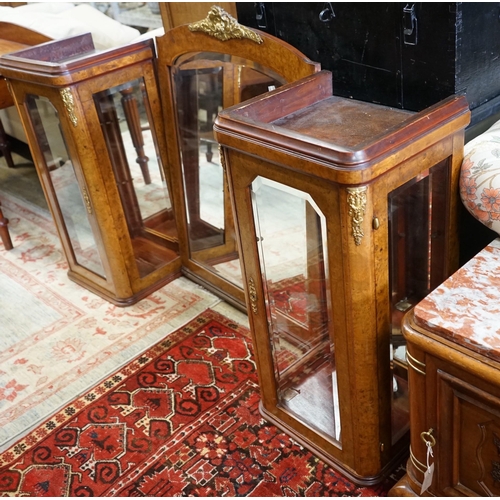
x: 327, y: 197
x: 92, y: 186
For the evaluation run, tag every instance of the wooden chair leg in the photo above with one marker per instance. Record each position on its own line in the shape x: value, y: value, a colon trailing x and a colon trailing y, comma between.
x: 5, y: 147
x: 4, y: 231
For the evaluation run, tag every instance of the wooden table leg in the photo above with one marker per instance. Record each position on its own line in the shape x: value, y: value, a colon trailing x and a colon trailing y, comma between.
x: 4, y: 231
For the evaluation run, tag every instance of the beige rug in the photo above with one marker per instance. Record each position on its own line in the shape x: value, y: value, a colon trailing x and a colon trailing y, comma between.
x: 57, y: 339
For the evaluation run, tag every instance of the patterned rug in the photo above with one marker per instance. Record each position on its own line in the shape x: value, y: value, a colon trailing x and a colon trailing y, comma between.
x: 181, y: 419
x: 57, y: 339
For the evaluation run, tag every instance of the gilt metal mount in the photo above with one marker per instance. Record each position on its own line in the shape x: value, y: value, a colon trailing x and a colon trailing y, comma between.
x: 356, y: 199
x: 223, y: 26
x: 252, y: 293
x: 69, y: 104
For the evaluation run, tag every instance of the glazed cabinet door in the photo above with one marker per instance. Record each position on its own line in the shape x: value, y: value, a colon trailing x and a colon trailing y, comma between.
x: 64, y: 182
x: 95, y: 127
x: 292, y: 260
x: 124, y: 127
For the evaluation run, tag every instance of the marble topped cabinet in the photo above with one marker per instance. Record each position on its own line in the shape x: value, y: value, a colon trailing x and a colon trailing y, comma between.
x: 453, y: 354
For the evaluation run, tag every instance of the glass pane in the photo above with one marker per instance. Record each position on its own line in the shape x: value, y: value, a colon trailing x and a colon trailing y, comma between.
x: 417, y: 224
x: 47, y: 127
x: 204, y: 84
x: 124, y: 115
x: 291, y: 232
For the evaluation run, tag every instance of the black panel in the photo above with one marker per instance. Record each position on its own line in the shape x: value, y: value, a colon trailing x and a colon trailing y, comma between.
x: 257, y: 15
x: 428, y: 68
x: 357, y: 45
x: 455, y: 47
x: 478, y: 50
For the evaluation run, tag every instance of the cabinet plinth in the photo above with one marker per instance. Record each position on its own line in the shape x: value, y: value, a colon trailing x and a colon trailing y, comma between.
x: 346, y: 213
x: 94, y: 125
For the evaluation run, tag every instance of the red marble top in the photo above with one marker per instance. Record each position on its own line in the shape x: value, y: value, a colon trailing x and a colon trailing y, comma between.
x: 466, y: 307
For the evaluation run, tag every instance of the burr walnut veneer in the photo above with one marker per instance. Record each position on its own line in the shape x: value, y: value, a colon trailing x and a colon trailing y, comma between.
x: 80, y: 108
x: 347, y: 217
x: 120, y: 246
x: 202, y: 68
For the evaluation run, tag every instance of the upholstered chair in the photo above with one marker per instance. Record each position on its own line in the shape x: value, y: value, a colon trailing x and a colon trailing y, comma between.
x: 480, y: 177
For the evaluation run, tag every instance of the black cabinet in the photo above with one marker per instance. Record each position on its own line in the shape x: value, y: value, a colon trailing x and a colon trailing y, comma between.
x: 406, y: 55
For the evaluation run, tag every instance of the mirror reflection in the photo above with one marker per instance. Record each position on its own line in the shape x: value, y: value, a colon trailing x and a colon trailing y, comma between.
x: 417, y: 229
x: 124, y: 116
x: 204, y: 84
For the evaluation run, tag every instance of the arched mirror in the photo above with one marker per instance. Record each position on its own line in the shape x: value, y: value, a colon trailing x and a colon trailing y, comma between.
x: 203, y: 84
x: 205, y: 67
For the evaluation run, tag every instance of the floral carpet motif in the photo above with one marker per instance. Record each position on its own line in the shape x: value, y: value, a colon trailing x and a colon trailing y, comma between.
x: 57, y: 339
x: 181, y: 419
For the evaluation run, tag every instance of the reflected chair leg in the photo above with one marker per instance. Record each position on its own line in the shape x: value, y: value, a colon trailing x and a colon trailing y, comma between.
x: 131, y: 111
x: 4, y: 231
x: 5, y: 147
x: 209, y: 154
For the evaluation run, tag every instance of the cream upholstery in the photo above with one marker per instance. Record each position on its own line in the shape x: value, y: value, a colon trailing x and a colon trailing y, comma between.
x: 59, y: 20
x: 62, y: 19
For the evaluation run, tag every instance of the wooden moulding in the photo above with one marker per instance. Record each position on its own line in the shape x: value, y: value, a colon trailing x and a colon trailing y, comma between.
x: 442, y: 375
x: 282, y: 121
x: 71, y: 60
x: 272, y: 53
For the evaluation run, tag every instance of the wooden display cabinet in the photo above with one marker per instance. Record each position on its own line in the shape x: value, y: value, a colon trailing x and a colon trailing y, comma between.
x: 453, y: 342
x: 204, y: 67
x: 94, y: 125
x: 347, y: 217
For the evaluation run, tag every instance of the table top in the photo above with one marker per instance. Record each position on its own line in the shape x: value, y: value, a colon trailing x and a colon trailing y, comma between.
x: 465, y: 309
x: 7, y: 46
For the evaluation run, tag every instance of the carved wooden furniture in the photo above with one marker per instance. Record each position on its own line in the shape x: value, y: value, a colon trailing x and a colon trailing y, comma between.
x: 12, y: 38
x: 117, y: 231
x: 4, y: 231
x: 454, y: 374
x: 205, y: 67
x: 347, y: 217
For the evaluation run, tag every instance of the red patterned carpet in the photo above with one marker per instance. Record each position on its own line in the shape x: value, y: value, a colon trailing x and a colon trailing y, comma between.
x: 180, y: 420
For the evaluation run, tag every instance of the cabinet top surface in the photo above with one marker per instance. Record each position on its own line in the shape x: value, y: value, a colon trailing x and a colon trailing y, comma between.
x: 305, y: 118
x: 344, y: 122
x: 465, y: 309
x: 72, y: 59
